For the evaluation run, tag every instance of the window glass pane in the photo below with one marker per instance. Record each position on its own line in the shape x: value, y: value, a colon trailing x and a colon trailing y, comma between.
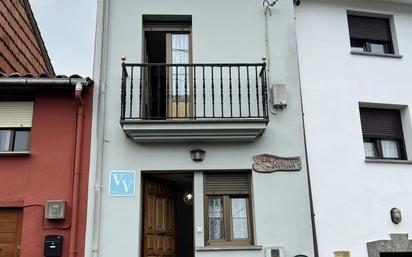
x: 378, y: 48
x: 180, y: 55
x: 357, y: 45
x: 390, y: 149
x: 370, y: 151
x: 239, y: 218
x: 358, y: 49
x: 5, y: 136
x: 216, y: 221
x: 21, y: 141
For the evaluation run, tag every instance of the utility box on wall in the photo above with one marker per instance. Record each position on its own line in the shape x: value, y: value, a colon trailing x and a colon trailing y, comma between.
x: 279, y: 96
x: 274, y: 252
x: 53, y: 245
x: 55, y: 209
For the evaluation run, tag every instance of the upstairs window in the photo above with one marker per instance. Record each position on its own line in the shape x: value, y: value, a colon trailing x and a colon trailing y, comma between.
x: 382, y: 133
x: 15, y: 126
x: 370, y: 34
x: 228, y: 209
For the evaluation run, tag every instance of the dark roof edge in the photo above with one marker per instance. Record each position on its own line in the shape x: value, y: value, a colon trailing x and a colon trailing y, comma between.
x: 39, y: 37
x: 35, y: 84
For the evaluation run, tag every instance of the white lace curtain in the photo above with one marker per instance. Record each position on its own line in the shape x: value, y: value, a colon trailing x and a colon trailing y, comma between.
x: 180, y: 55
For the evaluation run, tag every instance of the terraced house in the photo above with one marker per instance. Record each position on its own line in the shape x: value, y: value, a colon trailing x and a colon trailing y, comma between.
x: 356, y: 88
x: 198, y: 143
x: 45, y: 126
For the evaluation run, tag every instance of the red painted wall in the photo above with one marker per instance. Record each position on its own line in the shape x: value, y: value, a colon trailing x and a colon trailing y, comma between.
x: 47, y: 173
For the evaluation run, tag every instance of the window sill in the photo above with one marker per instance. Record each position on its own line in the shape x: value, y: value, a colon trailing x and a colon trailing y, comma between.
x: 15, y: 153
x: 388, y: 161
x: 398, y: 56
x: 230, y: 248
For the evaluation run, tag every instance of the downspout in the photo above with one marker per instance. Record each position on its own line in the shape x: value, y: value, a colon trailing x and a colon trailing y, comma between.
x: 100, y: 72
x: 77, y: 170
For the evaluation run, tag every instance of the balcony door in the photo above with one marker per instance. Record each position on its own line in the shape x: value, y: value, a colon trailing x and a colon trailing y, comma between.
x: 168, y: 85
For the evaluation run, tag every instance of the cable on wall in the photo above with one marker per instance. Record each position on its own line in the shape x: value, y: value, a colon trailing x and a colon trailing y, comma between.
x: 267, y: 7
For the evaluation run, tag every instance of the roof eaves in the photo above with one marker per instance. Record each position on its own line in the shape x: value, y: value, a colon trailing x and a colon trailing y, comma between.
x: 29, y: 82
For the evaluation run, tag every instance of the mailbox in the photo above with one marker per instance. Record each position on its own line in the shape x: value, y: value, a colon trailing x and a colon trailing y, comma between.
x: 53, y: 245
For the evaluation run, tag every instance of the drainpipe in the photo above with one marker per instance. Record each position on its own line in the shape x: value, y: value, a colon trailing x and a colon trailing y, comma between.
x: 96, y: 158
x: 77, y: 171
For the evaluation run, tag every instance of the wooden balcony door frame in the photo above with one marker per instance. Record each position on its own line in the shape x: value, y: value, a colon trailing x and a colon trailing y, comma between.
x: 146, y: 90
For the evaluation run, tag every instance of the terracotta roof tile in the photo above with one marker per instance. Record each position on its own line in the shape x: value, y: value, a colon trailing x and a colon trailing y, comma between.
x: 43, y: 75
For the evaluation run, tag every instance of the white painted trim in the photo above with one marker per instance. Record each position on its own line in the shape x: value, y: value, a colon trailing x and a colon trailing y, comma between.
x: 237, y: 130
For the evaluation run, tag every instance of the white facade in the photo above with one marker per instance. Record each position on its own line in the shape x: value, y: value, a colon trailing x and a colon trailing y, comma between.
x: 352, y: 197
x: 222, y: 32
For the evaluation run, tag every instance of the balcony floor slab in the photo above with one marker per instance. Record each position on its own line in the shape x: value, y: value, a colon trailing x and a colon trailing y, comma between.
x: 204, y: 130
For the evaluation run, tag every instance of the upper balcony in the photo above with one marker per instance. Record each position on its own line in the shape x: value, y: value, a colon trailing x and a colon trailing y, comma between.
x: 193, y: 102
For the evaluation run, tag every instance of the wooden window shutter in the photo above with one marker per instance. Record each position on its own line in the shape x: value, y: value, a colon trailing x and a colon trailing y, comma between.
x: 369, y: 28
x: 381, y: 123
x: 16, y: 114
x: 226, y: 183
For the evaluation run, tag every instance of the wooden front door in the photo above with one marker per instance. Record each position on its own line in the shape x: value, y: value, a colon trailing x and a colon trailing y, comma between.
x: 159, y: 219
x: 10, y: 232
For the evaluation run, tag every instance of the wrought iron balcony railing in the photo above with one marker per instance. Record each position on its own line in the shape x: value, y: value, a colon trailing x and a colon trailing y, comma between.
x: 158, y: 91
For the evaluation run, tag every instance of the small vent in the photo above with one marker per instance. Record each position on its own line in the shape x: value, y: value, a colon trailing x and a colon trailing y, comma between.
x: 226, y: 183
x: 274, y: 253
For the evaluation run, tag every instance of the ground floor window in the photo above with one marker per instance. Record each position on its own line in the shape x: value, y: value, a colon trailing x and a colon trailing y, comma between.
x: 227, y: 209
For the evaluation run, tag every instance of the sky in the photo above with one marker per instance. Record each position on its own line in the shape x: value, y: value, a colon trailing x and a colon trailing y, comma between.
x: 67, y: 28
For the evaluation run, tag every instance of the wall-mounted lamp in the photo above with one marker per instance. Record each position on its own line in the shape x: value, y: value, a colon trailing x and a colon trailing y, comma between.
x: 188, y: 198
x: 197, y: 155
x: 396, y: 215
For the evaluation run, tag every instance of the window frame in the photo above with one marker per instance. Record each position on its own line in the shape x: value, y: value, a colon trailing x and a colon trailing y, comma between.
x: 12, y: 144
x: 227, y: 218
x: 389, y: 45
x: 170, y: 25
x: 377, y: 143
x: 376, y: 137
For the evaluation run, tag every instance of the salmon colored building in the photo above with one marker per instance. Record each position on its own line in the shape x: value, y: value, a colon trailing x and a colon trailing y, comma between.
x: 45, y: 127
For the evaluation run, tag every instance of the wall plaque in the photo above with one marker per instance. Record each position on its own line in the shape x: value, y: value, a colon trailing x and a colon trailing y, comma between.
x: 122, y: 183
x: 267, y: 163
